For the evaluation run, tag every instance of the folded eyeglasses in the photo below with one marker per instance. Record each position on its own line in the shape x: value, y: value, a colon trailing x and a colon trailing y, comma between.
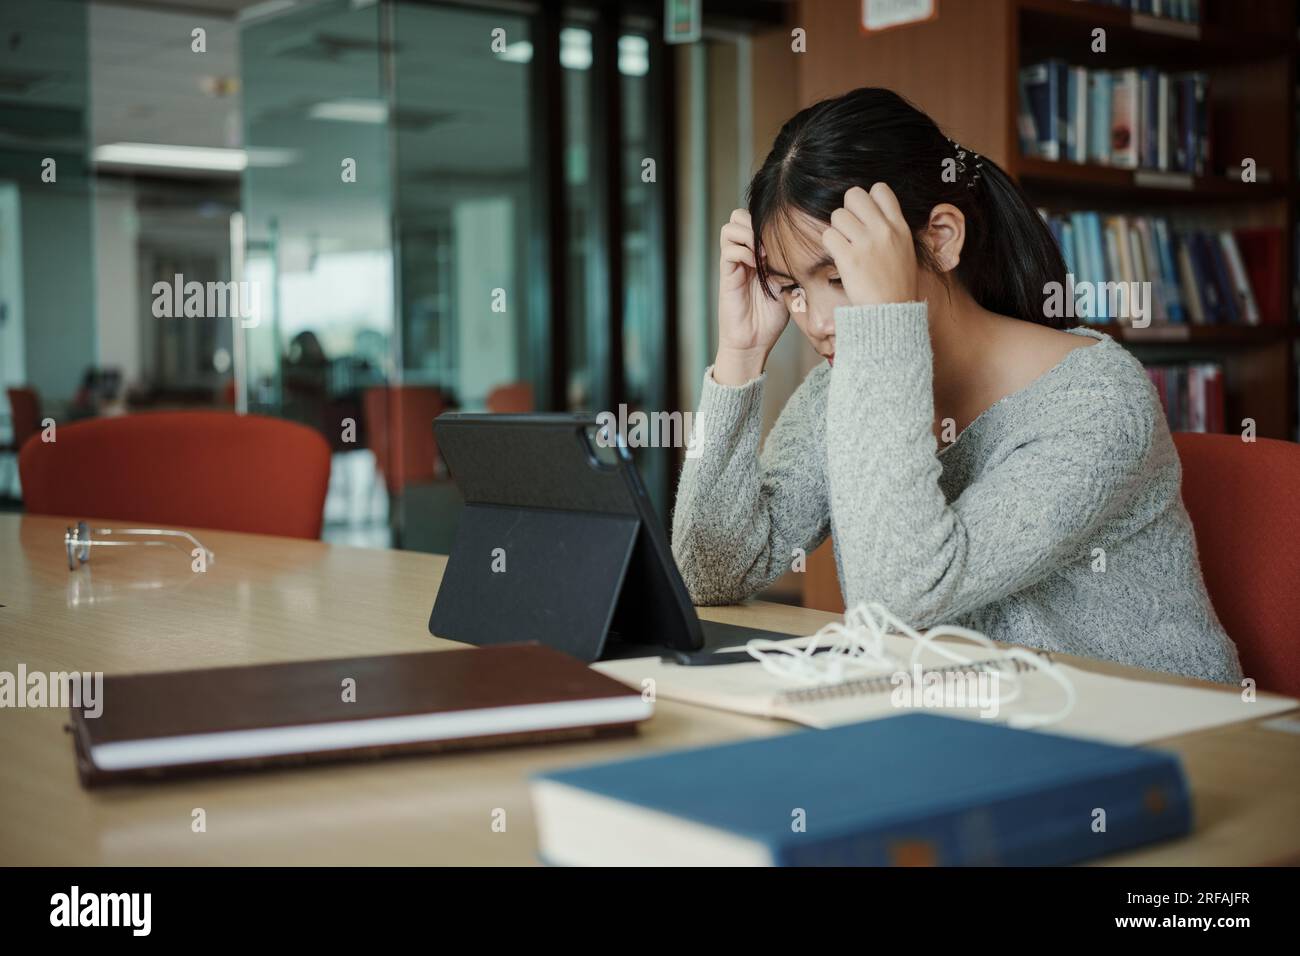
x: 79, y: 541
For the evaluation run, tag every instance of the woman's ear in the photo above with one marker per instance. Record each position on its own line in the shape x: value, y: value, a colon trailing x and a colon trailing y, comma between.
x: 945, y: 234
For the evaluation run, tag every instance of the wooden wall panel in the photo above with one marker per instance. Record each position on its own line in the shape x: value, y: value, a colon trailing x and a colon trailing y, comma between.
x: 958, y: 67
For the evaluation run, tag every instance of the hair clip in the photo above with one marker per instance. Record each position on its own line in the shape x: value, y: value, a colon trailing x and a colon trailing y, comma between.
x: 962, y: 169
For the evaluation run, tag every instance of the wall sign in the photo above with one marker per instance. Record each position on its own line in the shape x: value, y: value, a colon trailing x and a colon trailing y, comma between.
x: 682, y: 21
x: 880, y: 15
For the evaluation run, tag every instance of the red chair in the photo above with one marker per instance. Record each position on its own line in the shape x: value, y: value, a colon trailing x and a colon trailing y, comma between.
x: 187, y: 469
x: 1244, y: 499
x: 399, y: 430
x: 24, y: 415
x: 515, y: 398
x: 25, y: 421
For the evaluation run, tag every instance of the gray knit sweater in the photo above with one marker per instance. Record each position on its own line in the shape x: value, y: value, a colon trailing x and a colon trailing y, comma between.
x: 1000, y: 531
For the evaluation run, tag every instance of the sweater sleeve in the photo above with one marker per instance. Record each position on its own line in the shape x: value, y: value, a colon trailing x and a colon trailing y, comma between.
x: 739, y: 515
x: 1044, y: 503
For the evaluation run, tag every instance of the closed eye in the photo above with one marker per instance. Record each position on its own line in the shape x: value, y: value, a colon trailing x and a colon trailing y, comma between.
x: 787, y: 289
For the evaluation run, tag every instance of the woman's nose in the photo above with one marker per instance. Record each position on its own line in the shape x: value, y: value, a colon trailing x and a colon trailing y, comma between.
x: 822, y: 319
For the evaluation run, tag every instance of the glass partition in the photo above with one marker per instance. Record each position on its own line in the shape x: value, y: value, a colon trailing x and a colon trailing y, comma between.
x: 48, y: 337
x: 463, y: 201
x: 397, y: 223
x: 318, y: 243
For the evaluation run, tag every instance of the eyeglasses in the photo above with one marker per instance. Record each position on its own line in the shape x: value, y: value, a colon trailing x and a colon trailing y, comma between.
x: 78, y: 542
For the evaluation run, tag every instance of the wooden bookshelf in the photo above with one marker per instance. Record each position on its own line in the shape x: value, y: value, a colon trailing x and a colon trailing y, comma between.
x: 963, y: 68
x: 1146, y: 186
x: 1199, y: 335
x: 1227, y: 37
x: 1250, y: 49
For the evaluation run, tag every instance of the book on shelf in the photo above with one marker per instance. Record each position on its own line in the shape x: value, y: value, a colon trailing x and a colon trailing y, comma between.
x: 1196, y: 276
x: 1130, y: 118
x: 1191, y: 395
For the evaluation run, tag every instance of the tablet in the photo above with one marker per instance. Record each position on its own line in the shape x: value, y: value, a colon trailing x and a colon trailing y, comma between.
x: 558, y: 543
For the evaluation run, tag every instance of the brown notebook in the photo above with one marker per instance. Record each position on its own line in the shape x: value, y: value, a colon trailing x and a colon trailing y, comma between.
x: 178, y: 722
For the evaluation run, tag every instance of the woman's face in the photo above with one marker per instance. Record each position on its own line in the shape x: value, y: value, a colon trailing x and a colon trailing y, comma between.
x: 803, y: 273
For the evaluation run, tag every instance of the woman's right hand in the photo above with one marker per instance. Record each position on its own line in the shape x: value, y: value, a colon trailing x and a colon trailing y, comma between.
x: 749, y: 322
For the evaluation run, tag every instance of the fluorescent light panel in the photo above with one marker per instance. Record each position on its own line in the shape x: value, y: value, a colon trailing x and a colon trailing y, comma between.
x: 351, y: 110
x: 211, y: 158
x: 176, y: 157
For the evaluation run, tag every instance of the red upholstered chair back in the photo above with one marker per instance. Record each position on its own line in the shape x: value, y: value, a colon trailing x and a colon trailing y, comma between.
x: 182, y: 469
x: 24, y: 414
x: 515, y: 398
x: 1244, y: 500
x: 399, y: 430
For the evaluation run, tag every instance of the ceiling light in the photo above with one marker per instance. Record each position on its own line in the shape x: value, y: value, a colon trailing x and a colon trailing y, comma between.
x: 191, y: 157
x: 351, y: 110
x: 521, y: 51
x: 575, y: 49
x: 633, y: 55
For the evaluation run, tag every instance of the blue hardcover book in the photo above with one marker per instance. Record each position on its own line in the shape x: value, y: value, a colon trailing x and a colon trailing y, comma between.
x: 1066, y: 240
x: 1076, y: 114
x: 1222, y: 278
x: 1060, y: 87
x: 1168, y: 270
x: 1082, y: 248
x: 917, y: 789
x: 1026, y: 125
x: 1040, y: 97
x: 1206, y: 283
x: 1148, y: 118
x: 1201, y: 118
x: 1099, y: 116
x: 1179, y: 124
x: 1097, y: 255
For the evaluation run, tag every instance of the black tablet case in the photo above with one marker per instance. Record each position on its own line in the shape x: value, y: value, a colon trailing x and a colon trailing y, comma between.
x: 586, y: 564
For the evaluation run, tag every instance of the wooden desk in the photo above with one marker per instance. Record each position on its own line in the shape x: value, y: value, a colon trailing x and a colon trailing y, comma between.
x: 275, y: 599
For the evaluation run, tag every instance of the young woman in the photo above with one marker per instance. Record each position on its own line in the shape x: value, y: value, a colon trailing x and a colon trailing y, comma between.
x: 973, y: 464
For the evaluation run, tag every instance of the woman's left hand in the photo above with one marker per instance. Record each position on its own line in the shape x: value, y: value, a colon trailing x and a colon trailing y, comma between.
x: 872, y: 247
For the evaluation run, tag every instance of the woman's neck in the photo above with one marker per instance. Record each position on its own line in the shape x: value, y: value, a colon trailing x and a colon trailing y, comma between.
x: 963, y: 337
x: 981, y: 357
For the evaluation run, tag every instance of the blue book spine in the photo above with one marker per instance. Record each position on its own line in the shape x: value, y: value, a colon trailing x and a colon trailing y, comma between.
x: 1070, y: 114
x: 1036, y: 81
x: 1223, y: 278
x: 1060, y: 85
x: 1203, y: 267
x: 1168, y: 271
x: 1201, y: 154
x: 1191, y: 128
x: 1177, y: 125
x: 1080, y: 111
x: 1025, y: 122
x: 1098, y: 246
x: 1149, y: 114
x: 1082, y: 248
x: 1067, y: 248
x: 1099, y: 116
x: 1021, y: 831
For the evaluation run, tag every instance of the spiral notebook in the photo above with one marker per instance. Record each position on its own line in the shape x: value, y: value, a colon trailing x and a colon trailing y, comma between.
x: 1113, y: 709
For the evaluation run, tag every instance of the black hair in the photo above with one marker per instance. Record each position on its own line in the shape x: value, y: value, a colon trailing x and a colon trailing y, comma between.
x: 873, y: 135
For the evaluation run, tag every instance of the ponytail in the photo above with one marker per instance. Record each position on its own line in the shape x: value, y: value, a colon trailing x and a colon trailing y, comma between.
x: 1014, y: 255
